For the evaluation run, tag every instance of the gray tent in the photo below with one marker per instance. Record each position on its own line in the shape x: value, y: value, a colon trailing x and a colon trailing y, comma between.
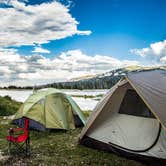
x: 131, y: 118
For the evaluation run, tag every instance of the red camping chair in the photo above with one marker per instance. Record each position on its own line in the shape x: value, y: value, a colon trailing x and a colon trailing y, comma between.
x: 20, y: 137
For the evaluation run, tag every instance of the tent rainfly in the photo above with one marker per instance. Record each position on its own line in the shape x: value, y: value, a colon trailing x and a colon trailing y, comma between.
x: 131, y: 118
x: 50, y: 109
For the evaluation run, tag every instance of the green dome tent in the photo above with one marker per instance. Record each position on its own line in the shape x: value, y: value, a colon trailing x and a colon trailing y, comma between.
x: 50, y: 109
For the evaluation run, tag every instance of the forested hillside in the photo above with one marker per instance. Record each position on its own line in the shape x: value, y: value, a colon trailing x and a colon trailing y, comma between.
x: 101, y: 81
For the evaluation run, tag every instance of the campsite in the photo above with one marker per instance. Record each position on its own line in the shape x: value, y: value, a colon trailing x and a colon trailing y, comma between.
x: 82, y: 82
x: 55, y: 125
x: 55, y: 148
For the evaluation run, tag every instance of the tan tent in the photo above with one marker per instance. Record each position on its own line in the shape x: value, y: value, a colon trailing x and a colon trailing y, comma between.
x: 131, y: 118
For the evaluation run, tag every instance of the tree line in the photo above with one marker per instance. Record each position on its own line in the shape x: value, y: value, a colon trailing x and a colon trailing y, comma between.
x: 93, y: 83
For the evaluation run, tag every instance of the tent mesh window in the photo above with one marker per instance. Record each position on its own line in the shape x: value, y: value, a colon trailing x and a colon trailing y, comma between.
x: 132, y: 104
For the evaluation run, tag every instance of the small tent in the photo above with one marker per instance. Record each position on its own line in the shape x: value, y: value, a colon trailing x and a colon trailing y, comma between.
x: 50, y: 109
x: 131, y: 118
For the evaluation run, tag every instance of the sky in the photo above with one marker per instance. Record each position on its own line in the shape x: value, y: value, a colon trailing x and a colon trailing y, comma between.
x: 45, y: 41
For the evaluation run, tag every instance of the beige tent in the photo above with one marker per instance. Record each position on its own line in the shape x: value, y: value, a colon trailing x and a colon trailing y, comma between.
x: 131, y: 118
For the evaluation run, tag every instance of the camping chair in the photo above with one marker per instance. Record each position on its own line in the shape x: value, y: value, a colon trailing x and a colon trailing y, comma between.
x: 19, y: 137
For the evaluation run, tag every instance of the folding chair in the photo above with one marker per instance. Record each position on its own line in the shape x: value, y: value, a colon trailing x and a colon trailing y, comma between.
x: 19, y: 137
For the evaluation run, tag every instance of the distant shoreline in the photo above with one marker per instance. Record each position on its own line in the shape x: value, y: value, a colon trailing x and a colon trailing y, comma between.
x: 46, y: 88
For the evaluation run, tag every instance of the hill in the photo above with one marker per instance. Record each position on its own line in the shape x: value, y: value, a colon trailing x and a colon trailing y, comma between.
x: 100, y: 81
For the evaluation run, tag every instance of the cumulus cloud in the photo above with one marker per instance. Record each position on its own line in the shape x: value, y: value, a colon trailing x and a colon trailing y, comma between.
x: 4, y: 1
x: 163, y: 59
x: 23, y: 24
x: 156, y: 52
x: 39, y: 49
x: 36, y: 69
x: 79, y: 61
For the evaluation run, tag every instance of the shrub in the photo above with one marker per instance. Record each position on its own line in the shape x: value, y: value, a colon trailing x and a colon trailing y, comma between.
x: 8, y: 106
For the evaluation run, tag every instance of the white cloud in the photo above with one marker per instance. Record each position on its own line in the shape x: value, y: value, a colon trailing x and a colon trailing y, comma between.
x: 95, y: 64
x: 30, y: 24
x: 4, y: 1
x: 163, y: 59
x: 39, y: 49
x: 27, y: 70
x: 156, y: 52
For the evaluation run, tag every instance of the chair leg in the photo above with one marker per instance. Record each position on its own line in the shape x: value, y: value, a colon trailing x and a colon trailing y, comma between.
x: 9, y: 148
x: 25, y: 147
x: 28, y: 147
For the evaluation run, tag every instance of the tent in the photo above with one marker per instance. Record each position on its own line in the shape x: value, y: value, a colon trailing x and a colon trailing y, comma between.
x: 50, y: 109
x: 131, y: 118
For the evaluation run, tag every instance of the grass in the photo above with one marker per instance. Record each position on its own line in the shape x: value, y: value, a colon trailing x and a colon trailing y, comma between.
x: 88, y: 96
x: 58, y: 148
x: 53, y: 148
x: 8, y: 106
x: 87, y: 113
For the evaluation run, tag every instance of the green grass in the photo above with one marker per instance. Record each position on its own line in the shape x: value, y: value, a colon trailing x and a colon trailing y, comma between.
x: 88, y: 96
x: 87, y: 113
x: 58, y: 148
x: 8, y: 106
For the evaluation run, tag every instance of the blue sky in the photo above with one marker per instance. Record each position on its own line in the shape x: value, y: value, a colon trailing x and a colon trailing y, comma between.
x: 40, y: 35
x: 117, y: 26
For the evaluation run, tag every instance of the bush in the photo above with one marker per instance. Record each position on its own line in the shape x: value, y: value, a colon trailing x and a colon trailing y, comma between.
x: 8, y: 106
x: 87, y: 113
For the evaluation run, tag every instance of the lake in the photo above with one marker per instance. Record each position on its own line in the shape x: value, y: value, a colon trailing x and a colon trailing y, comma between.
x: 84, y: 103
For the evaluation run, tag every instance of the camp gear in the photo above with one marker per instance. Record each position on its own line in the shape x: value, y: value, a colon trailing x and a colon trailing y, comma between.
x: 19, y: 137
x: 131, y: 118
x: 50, y: 109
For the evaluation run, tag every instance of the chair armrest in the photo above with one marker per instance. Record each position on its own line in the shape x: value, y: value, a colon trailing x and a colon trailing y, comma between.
x: 10, y: 131
x: 16, y: 131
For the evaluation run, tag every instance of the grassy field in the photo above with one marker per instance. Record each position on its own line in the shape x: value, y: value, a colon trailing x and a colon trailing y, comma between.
x: 8, y: 106
x: 58, y: 148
